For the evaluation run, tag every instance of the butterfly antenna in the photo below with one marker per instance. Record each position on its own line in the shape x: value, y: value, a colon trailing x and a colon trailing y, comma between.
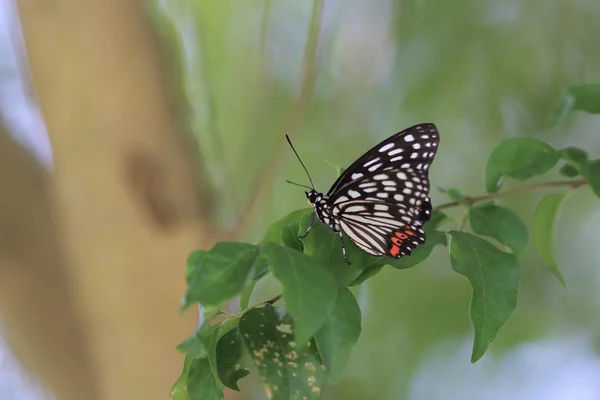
x: 303, y: 166
x: 298, y: 184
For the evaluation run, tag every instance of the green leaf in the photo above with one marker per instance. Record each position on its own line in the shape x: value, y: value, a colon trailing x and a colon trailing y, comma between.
x: 456, y: 196
x: 324, y: 246
x: 202, y: 382
x: 179, y: 390
x: 502, y: 224
x: 569, y: 171
x: 199, y: 343
x: 309, y: 289
x: 577, y: 162
x: 288, y: 370
x: 222, y: 274
x: 193, y: 262
x: 247, y: 293
x: 230, y: 363
x: 368, y: 272
x: 285, y: 231
x: 338, y: 336
x: 543, y: 231
x: 594, y: 176
x: 518, y: 158
x: 586, y: 97
x: 494, y: 276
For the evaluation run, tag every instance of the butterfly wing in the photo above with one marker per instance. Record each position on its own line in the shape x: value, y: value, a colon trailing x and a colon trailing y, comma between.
x: 412, y: 148
x: 381, y: 200
x: 381, y: 228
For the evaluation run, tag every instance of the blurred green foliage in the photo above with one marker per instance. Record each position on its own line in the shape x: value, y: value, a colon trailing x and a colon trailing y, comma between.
x: 482, y: 71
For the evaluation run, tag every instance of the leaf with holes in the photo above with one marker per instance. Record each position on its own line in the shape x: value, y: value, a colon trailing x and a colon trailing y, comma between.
x: 338, y: 336
x: 179, y: 389
x: 518, y: 158
x: 222, y: 274
x: 502, y: 224
x: 230, y: 362
x: 287, y: 369
x: 494, y: 276
x: 202, y: 381
x: 309, y: 289
x: 543, y: 231
x: 324, y: 246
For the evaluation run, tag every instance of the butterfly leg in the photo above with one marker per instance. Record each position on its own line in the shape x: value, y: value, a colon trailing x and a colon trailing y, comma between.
x: 312, y: 219
x: 344, y: 248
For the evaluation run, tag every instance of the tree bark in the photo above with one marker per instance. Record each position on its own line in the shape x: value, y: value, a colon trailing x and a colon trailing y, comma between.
x: 126, y: 192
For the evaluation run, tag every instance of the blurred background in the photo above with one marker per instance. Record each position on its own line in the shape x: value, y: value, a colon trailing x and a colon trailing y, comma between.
x: 338, y: 77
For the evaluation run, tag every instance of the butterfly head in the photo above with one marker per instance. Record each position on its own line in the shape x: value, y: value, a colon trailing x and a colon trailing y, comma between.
x: 313, y: 196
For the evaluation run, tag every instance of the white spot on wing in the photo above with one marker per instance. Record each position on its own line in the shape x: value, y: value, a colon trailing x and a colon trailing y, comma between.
x: 353, y: 193
x: 380, y: 177
x: 394, y: 152
x: 371, y: 162
x: 401, y: 176
x: 356, y: 209
x: 370, y: 190
x: 375, y: 167
x: 386, y: 147
x: 409, y: 138
x: 381, y: 207
x: 356, y: 175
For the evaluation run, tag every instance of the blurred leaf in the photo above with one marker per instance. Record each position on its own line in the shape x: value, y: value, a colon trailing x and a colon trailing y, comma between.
x: 543, y: 231
x: 577, y: 162
x: 519, y: 158
x: 288, y: 226
x: 337, y: 338
x: 222, y: 274
x: 586, y: 97
x: 202, y: 382
x: 569, y: 171
x: 494, y: 276
x: 260, y: 268
x: 198, y: 345
x: 287, y: 370
x: 193, y: 262
x: 594, y: 176
x: 229, y: 359
x: 456, y: 196
x: 367, y: 273
x: 323, y: 244
x: 573, y: 154
x: 437, y: 217
x: 179, y: 390
x: 502, y: 224
x: 247, y: 293
x: 309, y: 289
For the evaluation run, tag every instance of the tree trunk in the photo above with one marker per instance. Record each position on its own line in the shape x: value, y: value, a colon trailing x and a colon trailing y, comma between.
x: 125, y: 193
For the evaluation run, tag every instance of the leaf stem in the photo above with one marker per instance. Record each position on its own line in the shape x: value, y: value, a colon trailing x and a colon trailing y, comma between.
x: 273, y: 300
x: 574, y: 184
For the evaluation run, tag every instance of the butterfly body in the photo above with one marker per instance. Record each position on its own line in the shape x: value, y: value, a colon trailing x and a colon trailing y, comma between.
x: 382, y: 200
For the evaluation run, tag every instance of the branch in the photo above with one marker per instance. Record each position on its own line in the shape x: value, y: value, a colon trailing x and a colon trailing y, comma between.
x: 273, y: 300
x: 574, y: 184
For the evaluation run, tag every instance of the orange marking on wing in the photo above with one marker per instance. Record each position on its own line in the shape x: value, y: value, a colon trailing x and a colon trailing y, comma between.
x: 394, y: 251
x: 401, y: 235
x: 409, y: 231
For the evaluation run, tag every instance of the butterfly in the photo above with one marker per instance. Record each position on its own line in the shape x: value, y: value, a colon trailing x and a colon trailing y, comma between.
x: 382, y: 200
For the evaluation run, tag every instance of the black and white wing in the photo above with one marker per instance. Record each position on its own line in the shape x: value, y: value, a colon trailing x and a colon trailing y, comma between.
x: 381, y: 201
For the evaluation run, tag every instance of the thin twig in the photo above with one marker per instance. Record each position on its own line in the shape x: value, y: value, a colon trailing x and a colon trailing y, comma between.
x: 523, y: 189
